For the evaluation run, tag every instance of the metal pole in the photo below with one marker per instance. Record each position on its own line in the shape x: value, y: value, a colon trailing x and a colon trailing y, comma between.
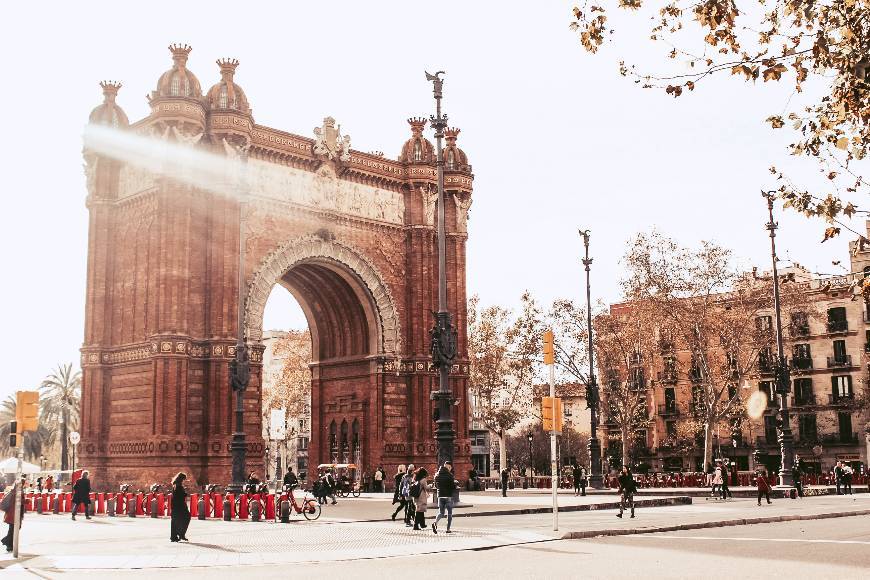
x: 554, y: 464
x: 443, y: 336
x: 596, y: 479
x: 19, y: 498
x: 240, y: 366
x: 783, y: 381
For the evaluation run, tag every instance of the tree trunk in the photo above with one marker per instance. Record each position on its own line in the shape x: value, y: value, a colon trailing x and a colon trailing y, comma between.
x: 502, y: 450
x: 626, y: 447
x: 708, y: 444
x: 64, y: 451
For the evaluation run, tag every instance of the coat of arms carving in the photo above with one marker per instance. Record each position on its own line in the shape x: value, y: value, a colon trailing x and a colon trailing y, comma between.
x: 330, y: 143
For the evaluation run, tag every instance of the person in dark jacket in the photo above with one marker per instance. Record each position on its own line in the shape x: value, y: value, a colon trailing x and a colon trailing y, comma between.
x: 8, y: 508
x: 397, y: 493
x: 797, y: 471
x: 180, y: 511
x: 290, y: 478
x: 505, y: 474
x: 627, y: 489
x: 839, y: 474
x: 446, y: 485
x: 763, y: 486
x: 82, y: 495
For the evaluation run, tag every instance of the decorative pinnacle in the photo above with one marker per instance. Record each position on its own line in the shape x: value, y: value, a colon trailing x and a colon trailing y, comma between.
x: 110, y: 89
x: 417, y: 125
x: 451, y: 134
x: 180, y: 52
x: 227, y: 66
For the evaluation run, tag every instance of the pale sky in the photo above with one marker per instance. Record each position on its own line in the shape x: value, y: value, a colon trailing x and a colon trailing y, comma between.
x: 557, y: 139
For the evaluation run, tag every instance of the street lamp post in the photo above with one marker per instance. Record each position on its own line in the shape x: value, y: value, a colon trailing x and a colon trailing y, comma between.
x: 596, y: 481
x: 531, y: 470
x: 240, y: 365
x: 443, y: 335
x: 781, y: 371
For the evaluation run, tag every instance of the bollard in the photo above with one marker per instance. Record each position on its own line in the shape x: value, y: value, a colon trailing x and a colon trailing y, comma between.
x: 39, y: 505
x: 55, y: 505
x: 201, y: 507
x: 285, y: 512
x: 110, y: 506
x: 131, y: 506
x: 255, y: 509
x: 227, y: 508
x: 154, y: 507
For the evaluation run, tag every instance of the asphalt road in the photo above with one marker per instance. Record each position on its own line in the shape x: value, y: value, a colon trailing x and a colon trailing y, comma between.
x: 834, y: 548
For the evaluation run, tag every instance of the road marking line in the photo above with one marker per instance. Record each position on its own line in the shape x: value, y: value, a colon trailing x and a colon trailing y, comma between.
x: 782, y: 540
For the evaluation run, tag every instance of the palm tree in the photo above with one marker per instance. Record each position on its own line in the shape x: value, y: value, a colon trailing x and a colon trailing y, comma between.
x: 34, y: 443
x: 61, y: 396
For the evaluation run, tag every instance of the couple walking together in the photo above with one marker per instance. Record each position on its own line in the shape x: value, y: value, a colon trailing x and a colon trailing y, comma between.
x: 412, y: 495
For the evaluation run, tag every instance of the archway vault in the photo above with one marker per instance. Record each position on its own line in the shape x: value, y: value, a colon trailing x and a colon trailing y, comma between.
x: 323, y: 274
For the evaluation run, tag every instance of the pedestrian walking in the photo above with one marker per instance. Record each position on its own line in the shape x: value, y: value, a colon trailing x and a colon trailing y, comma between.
x: 397, y: 492
x: 797, y: 471
x: 180, y: 519
x: 726, y: 493
x: 505, y: 475
x: 847, y: 479
x: 446, y: 485
x: 717, y: 479
x: 329, y: 483
x: 407, y: 481
x: 379, y: 480
x: 762, y: 485
x: 82, y: 495
x: 420, y: 494
x: 839, y: 474
x: 49, y: 484
x: 627, y: 489
x: 7, y: 506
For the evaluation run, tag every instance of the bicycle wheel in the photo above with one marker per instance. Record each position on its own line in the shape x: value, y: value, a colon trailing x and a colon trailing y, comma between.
x: 355, y: 492
x: 311, y: 510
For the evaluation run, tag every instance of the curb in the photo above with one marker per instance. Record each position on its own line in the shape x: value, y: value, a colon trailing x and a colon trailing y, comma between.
x: 718, y: 524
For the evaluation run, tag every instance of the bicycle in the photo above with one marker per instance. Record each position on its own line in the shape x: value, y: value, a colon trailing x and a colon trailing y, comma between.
x: 310, y: 508
x: 255, y: 492
x: 152, y: 492
x: 347, y: 489
x: 211, y: 503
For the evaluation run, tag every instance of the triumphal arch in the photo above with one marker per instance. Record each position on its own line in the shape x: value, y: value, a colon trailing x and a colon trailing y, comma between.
x: 350, y: 234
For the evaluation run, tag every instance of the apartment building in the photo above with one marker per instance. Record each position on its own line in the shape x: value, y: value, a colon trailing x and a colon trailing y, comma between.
x: 827, y: 350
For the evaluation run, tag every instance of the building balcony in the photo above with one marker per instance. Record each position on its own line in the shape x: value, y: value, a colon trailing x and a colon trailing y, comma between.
x: 839, y: 439
x: 840, y: 399
x: 808, y: 441
x: 801, y: 363
x: 765, y: 367
x: 804, y: 401
x: 669, y: 410
x: 667, y: 376
x: 838, y: 326
x: 838, y: 362
x: 764, y: 441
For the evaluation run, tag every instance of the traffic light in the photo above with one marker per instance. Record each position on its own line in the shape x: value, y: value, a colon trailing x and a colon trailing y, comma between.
x: 549, y: 352
x: 27, y: 410
x: 551, y: 412
x: 13, y: 433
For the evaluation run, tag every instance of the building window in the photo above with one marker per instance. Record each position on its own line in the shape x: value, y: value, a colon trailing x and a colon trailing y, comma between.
x: 840, y: 351
x: 801, y: 357
x: 418, y: 151
x: 670, y: 400
x: 841, y: 387
x: 451, y: 159
x: 763, y: 323
x: 173, y: 86
x: 770, y: 429
x: 845, y: 424
x: 800, y: 324
x: 866, y: 271
x: 567, y: 410
x: 671, y: 429
x: 837, y: 319
x: 807, y: 429
x: 765, y: 360
x: 222, y: 99
x: 302, y: 443
x: 766, y: 387
x: 803, y: 392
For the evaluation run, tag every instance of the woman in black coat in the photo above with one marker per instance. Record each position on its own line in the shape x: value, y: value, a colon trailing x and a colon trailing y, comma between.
x: 180, y: 511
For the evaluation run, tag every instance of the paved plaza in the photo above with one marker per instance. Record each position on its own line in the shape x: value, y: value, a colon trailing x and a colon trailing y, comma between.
x: 347, y: 537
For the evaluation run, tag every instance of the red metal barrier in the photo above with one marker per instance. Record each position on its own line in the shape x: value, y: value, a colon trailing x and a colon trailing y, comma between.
x: 218, y: 501
x: 161, y: 505
x: 232, y: 499
x: 270, y: 506
x: 140, y: 507
x: 67, y: 502
x: 194, y: 503
x: 168, y: 504
x: 101, y: 503
x: 243, y: 506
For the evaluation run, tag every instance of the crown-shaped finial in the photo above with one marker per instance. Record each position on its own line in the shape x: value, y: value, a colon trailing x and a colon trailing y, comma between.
x: 180, y: 52
x: 227, y: 66
x: 451, y: 133
x: 417, y: 124
x: 110, y: 89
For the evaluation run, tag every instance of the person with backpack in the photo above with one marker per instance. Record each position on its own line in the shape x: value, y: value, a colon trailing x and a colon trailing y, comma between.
x: 329, y: 488
x: 419, y: 492
x: 410, y: 510
x: 446, y: 487
x: 397, y: 492
x: 847, y: 479
x: 839, y: 474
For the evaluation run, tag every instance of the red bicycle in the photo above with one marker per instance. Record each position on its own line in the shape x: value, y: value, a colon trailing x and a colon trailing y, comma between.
x: 309, y: 507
